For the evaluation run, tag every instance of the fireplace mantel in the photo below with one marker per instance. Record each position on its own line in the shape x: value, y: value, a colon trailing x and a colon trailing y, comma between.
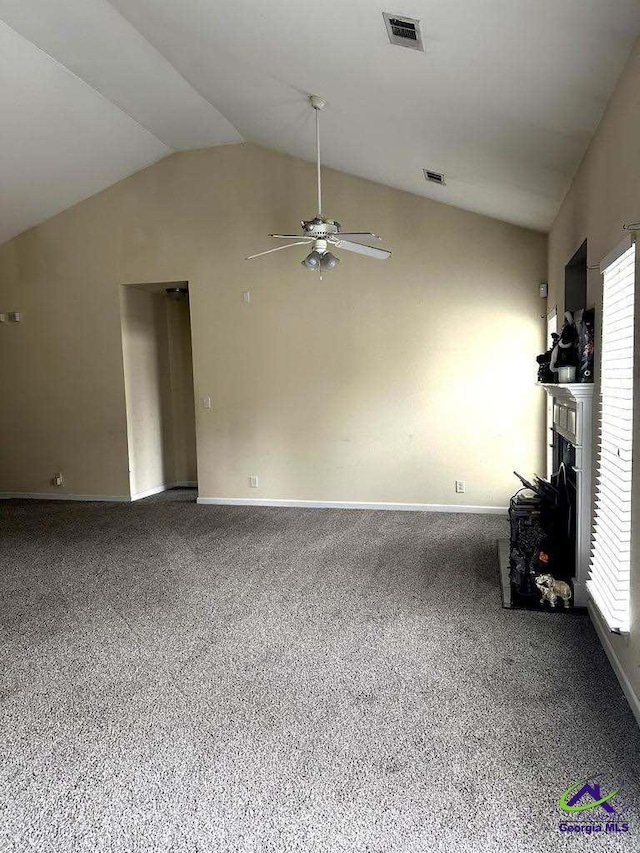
x: 572, y: 418
x: 569, y: 391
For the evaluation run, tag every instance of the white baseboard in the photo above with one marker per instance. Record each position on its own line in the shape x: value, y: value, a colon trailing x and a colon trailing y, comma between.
x: 51, y: 496
x: 60, y: 496
x: 157, y: 489
x: 365, y: 505
x: 397, y: 507
x: 604, y: 636
x: 147, y: 494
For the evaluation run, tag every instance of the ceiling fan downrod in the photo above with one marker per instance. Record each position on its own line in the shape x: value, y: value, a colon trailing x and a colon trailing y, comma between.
x: 318, y: 104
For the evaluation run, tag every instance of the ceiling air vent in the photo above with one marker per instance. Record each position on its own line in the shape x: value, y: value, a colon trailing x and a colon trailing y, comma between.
x: 403, y: 31
x: 434, y: 177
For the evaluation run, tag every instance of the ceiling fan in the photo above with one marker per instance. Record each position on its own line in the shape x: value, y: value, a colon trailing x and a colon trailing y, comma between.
x: 322, y: 232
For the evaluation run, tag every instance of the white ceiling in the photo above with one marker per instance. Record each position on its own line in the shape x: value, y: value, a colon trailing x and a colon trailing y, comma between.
x: 504, y: 99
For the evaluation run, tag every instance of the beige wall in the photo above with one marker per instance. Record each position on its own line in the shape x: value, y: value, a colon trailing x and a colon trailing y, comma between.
x: 606, y: 194
x: 385, y: 382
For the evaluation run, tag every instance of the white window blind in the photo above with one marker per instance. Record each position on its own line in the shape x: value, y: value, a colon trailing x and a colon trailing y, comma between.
x: 610, y: 568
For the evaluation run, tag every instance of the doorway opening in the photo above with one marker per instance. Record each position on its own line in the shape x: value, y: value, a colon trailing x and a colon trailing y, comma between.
x: 158, y: 379
x: 575, y: 280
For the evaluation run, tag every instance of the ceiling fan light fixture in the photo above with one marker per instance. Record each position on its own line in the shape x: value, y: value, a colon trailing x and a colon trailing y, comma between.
x: 312, y: 261
x: 329, y: 261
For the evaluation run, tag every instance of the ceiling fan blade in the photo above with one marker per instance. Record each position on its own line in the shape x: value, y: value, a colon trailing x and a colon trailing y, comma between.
x: 370, y: 251
x: 290, y: 236
x: 277, y: 249
x: 357, y: 236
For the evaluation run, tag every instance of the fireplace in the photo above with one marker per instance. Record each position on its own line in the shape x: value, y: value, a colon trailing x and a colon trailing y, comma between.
x: 570, y: 430
x: 569, y: 470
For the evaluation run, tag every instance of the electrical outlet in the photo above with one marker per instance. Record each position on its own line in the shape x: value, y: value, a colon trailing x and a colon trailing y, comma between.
x: 253, y: 481
x: 460, y: 487
x: 57, y: 479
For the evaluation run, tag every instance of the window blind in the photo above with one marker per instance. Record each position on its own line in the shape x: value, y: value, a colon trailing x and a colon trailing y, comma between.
x: 610, y: 567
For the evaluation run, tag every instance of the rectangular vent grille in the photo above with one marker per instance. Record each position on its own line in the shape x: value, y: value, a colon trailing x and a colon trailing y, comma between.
x: 402, y: 31
x: 434, y: 177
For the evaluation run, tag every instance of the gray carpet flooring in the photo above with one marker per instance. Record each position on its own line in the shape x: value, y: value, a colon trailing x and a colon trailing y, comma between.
x: 188, y: 678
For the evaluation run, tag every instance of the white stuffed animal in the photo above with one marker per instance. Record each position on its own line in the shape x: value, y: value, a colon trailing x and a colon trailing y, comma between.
x: 551, y: 590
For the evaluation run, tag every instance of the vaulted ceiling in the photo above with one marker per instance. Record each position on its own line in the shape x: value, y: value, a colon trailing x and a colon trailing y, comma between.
x: 503, y: 100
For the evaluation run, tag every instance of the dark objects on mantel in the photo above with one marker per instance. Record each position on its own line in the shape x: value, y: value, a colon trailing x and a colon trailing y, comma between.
x: 570, y: 356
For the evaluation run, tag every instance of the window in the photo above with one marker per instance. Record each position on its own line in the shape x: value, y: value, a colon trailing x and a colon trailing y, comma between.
x: 608, y: 583
x: 575, y: 280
